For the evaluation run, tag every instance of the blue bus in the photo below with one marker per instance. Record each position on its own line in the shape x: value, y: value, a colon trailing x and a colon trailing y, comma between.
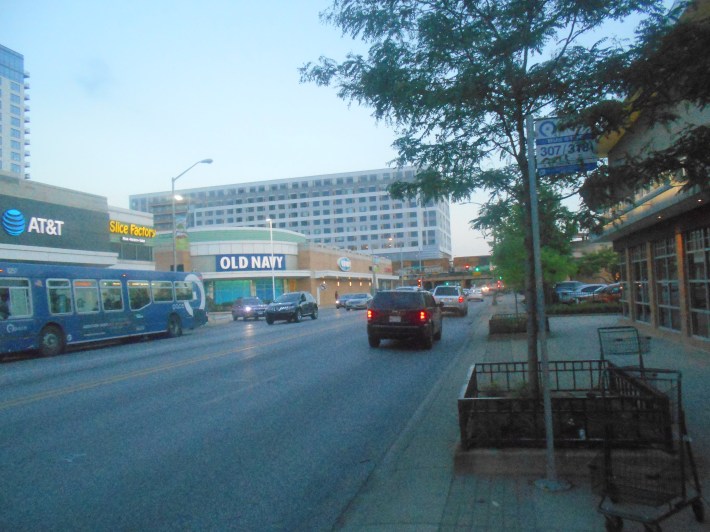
x: 47, y: 307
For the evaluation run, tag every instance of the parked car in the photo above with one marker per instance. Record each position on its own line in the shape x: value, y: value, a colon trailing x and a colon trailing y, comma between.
x: 475, y: 294
x: 340, y: 302
x: 583, y: 293
x: 609, y: 294
x: 248, y: 308
x: 292, y: 306
x: 358, y: 301
x: 565, y: 286
x: 452, y: 299
x: 399, y: 314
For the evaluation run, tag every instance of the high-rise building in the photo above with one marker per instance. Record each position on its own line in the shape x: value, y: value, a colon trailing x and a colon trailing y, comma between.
x: 14, y: 111
x: 351, y: 210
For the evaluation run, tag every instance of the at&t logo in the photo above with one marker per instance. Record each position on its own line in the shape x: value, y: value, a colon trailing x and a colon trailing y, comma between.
x: 14, y: 224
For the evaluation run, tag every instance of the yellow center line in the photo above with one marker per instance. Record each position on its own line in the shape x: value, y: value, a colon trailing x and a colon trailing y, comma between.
x: 49, y: 394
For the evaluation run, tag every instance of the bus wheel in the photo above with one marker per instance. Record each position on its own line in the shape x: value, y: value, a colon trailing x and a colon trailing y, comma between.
x: 174, y: 326
x: 51, y: 341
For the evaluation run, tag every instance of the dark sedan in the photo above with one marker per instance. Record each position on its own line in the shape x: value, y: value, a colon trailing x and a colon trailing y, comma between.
x: 292, y: 307
x: 248, y: 308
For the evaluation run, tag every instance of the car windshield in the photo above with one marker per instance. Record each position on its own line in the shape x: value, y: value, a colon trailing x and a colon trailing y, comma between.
x: 447, y: 291
x: 288, y: 298
x: 399, y: 300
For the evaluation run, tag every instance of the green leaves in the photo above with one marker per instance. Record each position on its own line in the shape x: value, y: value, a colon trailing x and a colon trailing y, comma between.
x: 456, y: 79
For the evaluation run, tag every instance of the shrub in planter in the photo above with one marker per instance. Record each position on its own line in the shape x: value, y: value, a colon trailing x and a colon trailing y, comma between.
x: 509, y: 324
x: 561, y: 309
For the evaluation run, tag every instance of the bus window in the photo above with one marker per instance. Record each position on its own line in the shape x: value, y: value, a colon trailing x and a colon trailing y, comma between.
x: 15, y: 301
x: 162, y: 291
x: 111, y: 295
x: 183, y: 291
x: 138, y: 294
x: 86, y: 294
x: 59, y: 292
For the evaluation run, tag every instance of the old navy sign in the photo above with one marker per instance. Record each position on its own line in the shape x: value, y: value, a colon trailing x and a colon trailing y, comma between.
x: 250, y: 262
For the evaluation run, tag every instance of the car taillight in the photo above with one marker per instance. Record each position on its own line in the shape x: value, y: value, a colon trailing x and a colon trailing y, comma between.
x: 423, y: 315
x: 460, y: 299
x: 370, y: 314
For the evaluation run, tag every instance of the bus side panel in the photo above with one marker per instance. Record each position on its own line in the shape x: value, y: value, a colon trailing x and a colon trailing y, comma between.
x: 99, y: 326
x: 18, y: 334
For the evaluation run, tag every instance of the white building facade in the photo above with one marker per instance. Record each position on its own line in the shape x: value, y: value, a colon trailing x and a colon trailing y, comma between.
x: 351, y: 210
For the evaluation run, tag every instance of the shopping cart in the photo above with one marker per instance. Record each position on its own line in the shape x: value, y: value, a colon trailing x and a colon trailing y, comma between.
x: 648, y: 485
x: 616, y: 342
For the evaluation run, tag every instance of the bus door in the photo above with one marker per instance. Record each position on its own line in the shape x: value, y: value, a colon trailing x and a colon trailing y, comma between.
x: 138, y: 303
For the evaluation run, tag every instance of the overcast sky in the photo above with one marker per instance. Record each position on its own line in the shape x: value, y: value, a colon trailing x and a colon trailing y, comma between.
x: 126, y: 94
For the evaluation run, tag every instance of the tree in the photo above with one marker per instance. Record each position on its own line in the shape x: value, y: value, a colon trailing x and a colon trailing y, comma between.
x: 598, y: 262
x: 458, y: 78
x: 504, y: 221
x: 669, y: 75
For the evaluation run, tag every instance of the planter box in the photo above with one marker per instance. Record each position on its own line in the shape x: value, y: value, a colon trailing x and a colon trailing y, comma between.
x: 510, y: 324
x: 588, y: 398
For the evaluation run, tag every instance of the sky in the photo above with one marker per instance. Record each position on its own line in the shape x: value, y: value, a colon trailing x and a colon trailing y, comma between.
x: 125, y: 95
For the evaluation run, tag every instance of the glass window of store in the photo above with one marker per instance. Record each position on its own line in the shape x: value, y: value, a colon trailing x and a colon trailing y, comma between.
x: 665, y: 273
x: 226, y: 291
x: 625, y: 303
x: 698, y: 256
x: 639, y: 279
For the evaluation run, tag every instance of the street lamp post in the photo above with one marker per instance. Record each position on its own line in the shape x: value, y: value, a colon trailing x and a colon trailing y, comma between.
x: 400, y: 245
x: 271, y: 239
x: 172, y: 198
x: 401, y: 264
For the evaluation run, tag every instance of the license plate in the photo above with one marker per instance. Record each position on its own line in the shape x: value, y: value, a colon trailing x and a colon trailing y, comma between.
x: 395, y: 319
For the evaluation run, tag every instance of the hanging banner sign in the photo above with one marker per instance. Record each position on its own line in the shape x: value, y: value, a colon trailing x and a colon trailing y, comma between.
x: 563, y: 151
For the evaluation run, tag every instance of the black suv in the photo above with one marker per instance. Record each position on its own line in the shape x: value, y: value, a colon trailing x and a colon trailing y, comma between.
x: 397, y: 314
x: 292, y: 307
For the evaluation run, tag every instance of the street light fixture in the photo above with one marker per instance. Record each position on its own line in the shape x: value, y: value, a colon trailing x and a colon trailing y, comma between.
x: 271, y: 239
x: 172, y: 198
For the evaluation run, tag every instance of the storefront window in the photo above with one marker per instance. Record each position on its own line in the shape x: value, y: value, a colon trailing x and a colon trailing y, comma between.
x: 639, y: 283
x: 698, y: 257
x: 666, y: 279
x: 625, y: 304
x: 228, y: 290
x: 263, y: 288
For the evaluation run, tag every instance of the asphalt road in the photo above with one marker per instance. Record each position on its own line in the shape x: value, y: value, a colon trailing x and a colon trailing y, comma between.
x: 241, y: 425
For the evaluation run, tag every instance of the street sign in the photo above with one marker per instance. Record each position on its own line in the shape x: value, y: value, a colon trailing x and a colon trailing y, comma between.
x: 561, y: 151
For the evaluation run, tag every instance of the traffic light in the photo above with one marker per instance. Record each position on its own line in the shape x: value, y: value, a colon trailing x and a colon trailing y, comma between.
x: 468, y: 267
x: 478, y: 268
x: 419, y: 283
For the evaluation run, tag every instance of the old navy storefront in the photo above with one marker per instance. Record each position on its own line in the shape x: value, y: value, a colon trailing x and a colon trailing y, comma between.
x: 247, y: 261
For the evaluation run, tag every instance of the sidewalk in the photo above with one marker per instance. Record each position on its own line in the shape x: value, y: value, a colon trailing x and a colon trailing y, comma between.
x: 426, y: 482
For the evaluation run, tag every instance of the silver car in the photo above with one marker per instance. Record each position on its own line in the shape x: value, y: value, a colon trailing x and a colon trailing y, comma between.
x: 451, y: 298
x: 358, y: 301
